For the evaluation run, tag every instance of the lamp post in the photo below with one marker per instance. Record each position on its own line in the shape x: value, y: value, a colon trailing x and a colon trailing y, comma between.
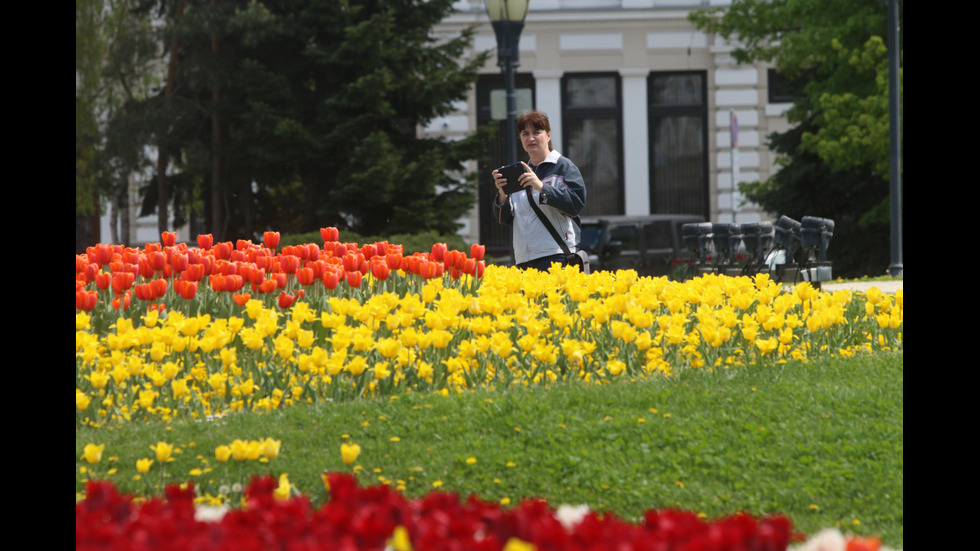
x: 507, y: 17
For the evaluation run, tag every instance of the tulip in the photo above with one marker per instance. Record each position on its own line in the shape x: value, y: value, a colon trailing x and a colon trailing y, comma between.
x: 86, y: 300
x: 242, y: 298
x: 305, y: 276
x: 205, y: 241
x: 103, y: 280
x: 354, y: 278
x: 369, y: 251
x: 289, y: 264
x: 477, y: 251
x: 143, y: 465
x: 438, y: 250
x: 187, y: 289
x: 267, y: 286
x: 222, y: 453
x: 93, y: 453
x: 285, y: 301
x: 271, y: 239
x: 158, y: 261
x: 164, y: 451
x: 169, y: 238
x: 329, y: 234
x: 331, y: 279
x: 349, y: 453
x: 380, y: 270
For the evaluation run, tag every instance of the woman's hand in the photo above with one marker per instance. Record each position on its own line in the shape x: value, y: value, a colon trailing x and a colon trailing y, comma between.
x: 499, y: 181
x: 529, y: 178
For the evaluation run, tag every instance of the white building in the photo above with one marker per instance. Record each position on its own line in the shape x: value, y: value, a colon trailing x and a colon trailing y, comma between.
x: 637, y: 97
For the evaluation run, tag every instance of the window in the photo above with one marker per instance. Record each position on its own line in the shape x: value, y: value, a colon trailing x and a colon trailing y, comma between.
x: 496, y: 237
x: 780, y: 88
x: 592, y: 138
x: 678, y: 143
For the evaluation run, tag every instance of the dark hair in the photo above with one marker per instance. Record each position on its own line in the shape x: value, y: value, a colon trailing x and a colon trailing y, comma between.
x: 537, y: 119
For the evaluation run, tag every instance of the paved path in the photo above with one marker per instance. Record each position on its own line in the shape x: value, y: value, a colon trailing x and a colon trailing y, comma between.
x: 885, y: 286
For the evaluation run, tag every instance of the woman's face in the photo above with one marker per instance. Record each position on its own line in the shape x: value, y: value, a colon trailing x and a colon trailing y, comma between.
x: 535, y: 142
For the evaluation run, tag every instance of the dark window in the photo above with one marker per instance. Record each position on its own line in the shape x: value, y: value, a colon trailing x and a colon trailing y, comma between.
x: 678, y: 143
x: 496, y: 237
x: 592, y: 138
x: 780, y: 88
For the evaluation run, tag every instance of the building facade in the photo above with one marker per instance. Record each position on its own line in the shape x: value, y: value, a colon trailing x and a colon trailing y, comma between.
x: 638, y: 98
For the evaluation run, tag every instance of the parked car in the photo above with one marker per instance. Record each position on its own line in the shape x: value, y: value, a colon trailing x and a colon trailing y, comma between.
x: 651, y: 245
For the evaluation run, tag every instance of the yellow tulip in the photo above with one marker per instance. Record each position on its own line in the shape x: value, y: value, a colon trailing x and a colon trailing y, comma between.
x: 349, y: 453
x: 222, y: 453
x: 143, y: 465
x: 93, y: 453
x: 164, y: 451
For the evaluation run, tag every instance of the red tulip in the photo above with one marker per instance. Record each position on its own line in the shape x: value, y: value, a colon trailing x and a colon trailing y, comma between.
x: 393, y: 260
x: 469, y: 267
x: 205, y: 241
x: 354, y: 278
x: 186, y: 289
x: 158, y: 261
x: 103, y: 280
x: 285, y: 301
x: 267, y: 286
x: 329, y: 234
x: 438, y: 250
x: 169, y: 238
x: 86, y: 300
x: 242, y: 298
x: 122, y: 282
x: 271, y: 239
x: 217, y: 282
x: 380, y: 270
x: 331, y: 279
x: 121, y: 302
x: 179, y: 262
x: 159, y: 287
x: 477, y: 251
x: 280, y: 279
x: 369, y: 251
x: 194, y: 272
x: 480, y: 267
x: 233, y: 283
x: 289, y: 264
x: 222, y: 251
x: 305, y: 276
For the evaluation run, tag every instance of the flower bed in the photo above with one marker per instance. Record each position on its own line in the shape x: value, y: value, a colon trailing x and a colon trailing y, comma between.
x: 379, y: 518
x: 270, y: 327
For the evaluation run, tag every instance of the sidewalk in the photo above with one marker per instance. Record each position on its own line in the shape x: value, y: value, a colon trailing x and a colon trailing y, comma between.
x: 884, y: 286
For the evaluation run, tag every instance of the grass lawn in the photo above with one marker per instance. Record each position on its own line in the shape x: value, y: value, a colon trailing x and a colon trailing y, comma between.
x: 821, y: 442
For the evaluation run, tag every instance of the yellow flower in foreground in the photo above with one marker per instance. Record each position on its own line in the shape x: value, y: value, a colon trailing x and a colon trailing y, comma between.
x: 143, y: 465
x: 349, y: 453
x: 222, y: 453
x: 470, y: 460
x: 284, y: 489
x: 399, y: 540
x: 164, y: 451
x: 93, y: 453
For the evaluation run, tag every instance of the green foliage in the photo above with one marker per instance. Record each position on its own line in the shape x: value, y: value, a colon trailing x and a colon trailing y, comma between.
x: 302, y: 114
x: 835, y: 163
x: 822, y: 442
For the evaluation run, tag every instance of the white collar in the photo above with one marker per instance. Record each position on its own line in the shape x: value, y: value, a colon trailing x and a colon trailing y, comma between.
x: 552, y: 157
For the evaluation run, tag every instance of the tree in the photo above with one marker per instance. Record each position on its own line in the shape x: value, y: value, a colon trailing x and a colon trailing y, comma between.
x: 300, y: 114
x: 834, y: 163
x: 114, y: 55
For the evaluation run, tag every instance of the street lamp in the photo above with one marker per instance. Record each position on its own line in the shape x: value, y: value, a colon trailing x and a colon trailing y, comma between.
x: 507, y: 17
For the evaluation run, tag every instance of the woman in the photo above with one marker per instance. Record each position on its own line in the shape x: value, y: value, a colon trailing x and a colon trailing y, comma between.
x: 555, y: 184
